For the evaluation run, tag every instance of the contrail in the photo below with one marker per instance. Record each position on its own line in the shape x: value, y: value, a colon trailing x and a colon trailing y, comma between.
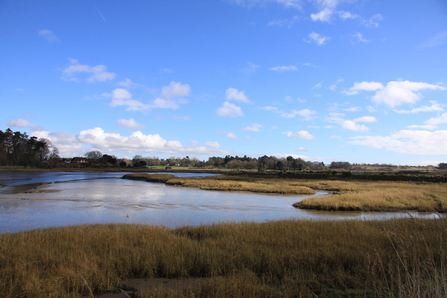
x: 99, y: 12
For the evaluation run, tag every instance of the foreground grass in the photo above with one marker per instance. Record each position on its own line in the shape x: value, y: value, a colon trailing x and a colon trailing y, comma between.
x: 397, y: 258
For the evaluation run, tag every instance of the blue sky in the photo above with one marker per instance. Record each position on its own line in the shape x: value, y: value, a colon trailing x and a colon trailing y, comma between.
x: 362, y: 81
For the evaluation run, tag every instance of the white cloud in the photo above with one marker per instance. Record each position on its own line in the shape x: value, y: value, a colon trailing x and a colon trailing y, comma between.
x: 363, y: 86
x: 408, y: 142
x: 333, y: 87
x: 347, y: 15
x: 353, y: 109
x: 373, y: 21
x: 95, y: 73
x: 229, y: 110
x: 437, y: 120
x: 395, y: 93
x: 301, y: 149
x: 317, y: 38
x: 23, y: 123
x: 49, y: 35
x: 323, y: 16
x: 233, y: 93
x: 127, y: 83
x: 352, y: 125
x: 360, y: 38
x: 317, y: 86
x: 230, y: 135
x: 435, y: 107
x: 286, y: 3
x: 283, y: 68
x: 164, y: 104
x: 402, y: 92
x: 214, y: 145
x: 302, y: 134
x: 365, y: 119
x: 250, y: 68
x: 305, y: 113
x: 255, y: 127
x: 175, y: 90
x: 131, y: 123
x: 284, y: 22
x: 438, y: 39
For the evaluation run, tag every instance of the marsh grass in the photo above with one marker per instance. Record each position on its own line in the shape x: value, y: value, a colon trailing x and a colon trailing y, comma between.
x: 227, y: 183
x: 378, y: 196
x: 273, y: 259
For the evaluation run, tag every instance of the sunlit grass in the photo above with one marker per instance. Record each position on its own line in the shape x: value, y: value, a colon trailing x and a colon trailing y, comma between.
x: 379, y: 196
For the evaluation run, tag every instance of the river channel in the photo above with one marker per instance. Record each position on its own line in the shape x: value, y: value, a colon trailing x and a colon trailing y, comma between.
x: 34, y: 200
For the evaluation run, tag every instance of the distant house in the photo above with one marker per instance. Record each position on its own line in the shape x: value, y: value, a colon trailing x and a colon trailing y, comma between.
x: 74, y: 161
x: 79, y: 160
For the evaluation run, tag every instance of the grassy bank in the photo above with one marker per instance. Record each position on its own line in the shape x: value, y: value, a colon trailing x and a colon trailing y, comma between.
x: 377, y: 196
x: 397, y: 258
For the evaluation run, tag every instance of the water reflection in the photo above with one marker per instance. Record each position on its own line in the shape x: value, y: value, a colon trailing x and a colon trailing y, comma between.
x: 82, y: 198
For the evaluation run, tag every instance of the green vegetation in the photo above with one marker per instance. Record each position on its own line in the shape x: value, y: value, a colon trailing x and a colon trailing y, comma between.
x: 397, y: 258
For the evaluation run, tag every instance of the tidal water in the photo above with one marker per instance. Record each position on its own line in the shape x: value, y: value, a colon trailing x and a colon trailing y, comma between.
x: 34, y: 200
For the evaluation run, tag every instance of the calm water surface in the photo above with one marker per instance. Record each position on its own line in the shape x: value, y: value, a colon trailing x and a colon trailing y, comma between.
x: 85, y: 198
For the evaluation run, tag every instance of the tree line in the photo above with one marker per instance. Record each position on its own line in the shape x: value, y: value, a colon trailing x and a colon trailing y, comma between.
x: 19, y: 149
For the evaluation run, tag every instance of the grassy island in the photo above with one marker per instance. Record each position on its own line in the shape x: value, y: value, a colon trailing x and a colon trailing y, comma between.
x: 347, y: 195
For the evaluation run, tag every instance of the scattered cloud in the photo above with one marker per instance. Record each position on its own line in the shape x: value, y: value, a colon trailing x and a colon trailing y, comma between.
x: 175, y: 89
x: 395, y: 93
x: 438, y: 39
x: 234, y: 94
x: 127, y: 83
x: 131, y: 123
x: 333, y: 87
x: 323, y: 16
x: 214, y: 145
x: 353, y: 109
x: 95, y: 73
x: 250, y: 68
x: 435, y: 107
x: 317, y: 38
x: 283, y: 68
x: 318, y: 86
x: 23, y: 123
x: 302, y: 134
x: 306, y: 114
x: 359, y: 37
x: 373, y: 22
x: 352, y: 125
x: 301, y: 149
x: 48, y: 35
x: 230, y: 135
x: 285, y: 3
x: 229, y: 110
x: 344, y: 15
x: 363, y: 86
x: 255, y: 127
x: 421, y: 142
x: 284, y: 22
